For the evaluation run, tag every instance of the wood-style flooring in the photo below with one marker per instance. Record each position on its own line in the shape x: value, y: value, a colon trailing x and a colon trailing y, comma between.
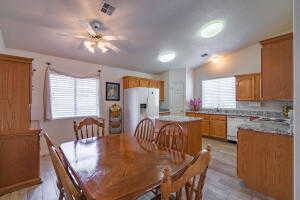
x: 221, y: 183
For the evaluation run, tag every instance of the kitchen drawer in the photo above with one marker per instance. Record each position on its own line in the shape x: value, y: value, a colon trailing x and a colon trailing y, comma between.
x: 218, y: 117
x: 190, y: 114
x: 203, y: 116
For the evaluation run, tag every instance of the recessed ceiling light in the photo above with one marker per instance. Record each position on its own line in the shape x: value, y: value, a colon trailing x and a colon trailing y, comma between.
x: 166, y: 56
x: 212, y: 28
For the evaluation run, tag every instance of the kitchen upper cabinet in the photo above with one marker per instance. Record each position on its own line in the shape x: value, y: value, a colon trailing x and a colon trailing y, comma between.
x: 248, y: 87
x: 161, y: 90
x: 277, y: 68
x: 143, y: 82
x: 132, y: 82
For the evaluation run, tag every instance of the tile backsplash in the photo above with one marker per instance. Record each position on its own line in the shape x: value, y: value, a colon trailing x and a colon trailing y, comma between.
x: 262, y: 105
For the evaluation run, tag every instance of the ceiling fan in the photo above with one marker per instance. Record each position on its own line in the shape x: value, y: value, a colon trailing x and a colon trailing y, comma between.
x: 95, y: 37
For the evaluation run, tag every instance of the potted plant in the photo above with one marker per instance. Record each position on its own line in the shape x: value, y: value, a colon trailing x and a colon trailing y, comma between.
x: 195, y: 103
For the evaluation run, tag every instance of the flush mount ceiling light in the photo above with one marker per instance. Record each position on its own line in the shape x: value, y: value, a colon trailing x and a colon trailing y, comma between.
x: 212, y: 28
x: 166, y: 56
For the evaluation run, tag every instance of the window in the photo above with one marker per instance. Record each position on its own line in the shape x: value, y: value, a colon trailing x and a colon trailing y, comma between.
x: 219, y: 93
x: 73, y: 97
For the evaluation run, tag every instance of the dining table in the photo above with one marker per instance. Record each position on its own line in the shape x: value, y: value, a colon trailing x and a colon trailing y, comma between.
x: 119, y: 166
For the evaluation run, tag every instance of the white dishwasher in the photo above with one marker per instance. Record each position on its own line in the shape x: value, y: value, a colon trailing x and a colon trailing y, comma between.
x: 232, y: 126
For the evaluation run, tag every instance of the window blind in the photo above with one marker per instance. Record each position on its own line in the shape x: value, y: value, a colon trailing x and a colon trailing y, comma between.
x: 73, y: 97
x: 219, y: 93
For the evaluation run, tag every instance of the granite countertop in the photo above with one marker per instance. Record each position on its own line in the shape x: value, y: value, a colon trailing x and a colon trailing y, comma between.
x: 239, y: 112
x: 175, y: 118
x: 267, y: 127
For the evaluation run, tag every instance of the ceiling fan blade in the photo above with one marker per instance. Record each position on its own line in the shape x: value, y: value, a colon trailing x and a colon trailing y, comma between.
x: 87, y: 26
x: 112, y: 47
x: 63, y: 34
x: 111, y: 37
x: 81, y: 37
x: 102, y: 46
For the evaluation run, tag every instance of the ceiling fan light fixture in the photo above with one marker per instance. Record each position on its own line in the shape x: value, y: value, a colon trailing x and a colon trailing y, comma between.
x: 90, y: 45
x: 212, y: 28
x: 166, y: 56
x: 102, y: 46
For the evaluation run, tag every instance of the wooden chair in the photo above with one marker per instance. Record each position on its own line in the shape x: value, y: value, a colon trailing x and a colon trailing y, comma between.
x: 171, y: 136
x: 64, y: 182
x: 192, y: 179
x: 145, y: 130
x: 82, y: 129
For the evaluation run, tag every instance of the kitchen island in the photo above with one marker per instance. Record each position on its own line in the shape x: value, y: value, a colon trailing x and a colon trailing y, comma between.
x: 191, y: 128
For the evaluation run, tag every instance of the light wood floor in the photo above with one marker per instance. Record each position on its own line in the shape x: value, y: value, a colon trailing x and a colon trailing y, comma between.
x: 221, y: 183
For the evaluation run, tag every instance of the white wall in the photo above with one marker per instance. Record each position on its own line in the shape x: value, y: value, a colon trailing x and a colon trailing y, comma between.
x: 297, y: 97
x: 189, y: 86
x: 244, y: 61
x: 2, y: 45
x: 62, y: 130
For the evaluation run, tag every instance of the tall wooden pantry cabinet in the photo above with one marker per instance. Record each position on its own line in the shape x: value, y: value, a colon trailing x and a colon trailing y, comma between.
x: 19, y: 146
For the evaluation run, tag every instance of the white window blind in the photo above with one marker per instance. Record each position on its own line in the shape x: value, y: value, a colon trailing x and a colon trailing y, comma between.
x: 219, y: 93
x: 73, y: 97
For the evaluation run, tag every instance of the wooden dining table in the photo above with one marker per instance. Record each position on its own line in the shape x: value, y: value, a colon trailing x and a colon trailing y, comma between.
x: 119, y: 166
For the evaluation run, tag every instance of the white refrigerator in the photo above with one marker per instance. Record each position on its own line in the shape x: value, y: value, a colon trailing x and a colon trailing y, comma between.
x: 139, y: 103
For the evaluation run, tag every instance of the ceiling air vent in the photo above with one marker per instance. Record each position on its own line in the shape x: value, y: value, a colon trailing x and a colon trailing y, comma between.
x: 204, y: 55
x: 107, y: 8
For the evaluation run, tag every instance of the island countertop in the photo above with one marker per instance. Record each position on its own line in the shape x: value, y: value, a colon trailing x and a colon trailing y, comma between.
x: 176, y: 118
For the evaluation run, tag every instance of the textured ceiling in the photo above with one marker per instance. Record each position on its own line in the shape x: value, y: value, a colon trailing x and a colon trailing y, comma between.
x: 149, y: 26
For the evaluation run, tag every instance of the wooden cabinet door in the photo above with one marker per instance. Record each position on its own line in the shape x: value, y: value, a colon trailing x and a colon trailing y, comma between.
x: 161, y: 90
x: 257, y: 86
x: 15, y: 84
x: 265, y: 163
x: 131, y: 82
x: 144, y: 82
x: 244, y: 87
x: 218, y: 129
x: 277, y: 68
x: 205, y: 128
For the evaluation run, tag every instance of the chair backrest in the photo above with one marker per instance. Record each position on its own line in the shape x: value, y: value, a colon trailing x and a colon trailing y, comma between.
x: 145, y: 130
x: 89, y: 127
x: 70, y: 190
x: 171, y: 136
x: 192, y: 179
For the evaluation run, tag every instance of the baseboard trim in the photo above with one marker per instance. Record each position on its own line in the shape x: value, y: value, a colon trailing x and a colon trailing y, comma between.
x: 18, y: 186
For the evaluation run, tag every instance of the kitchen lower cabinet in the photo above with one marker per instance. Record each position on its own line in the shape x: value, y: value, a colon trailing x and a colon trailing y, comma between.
x: 265, y: 163
x: 212, y: 125
x: 218, y: 129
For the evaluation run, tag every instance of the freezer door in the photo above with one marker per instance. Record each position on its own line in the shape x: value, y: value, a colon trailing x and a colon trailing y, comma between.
x: 153, y: 103
x: 131, y: 110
